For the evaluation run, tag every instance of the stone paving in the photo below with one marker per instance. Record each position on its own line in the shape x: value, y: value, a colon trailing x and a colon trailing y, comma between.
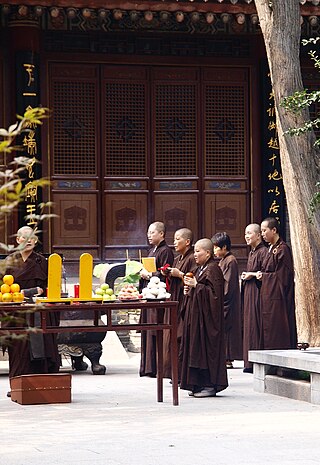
x: 116, y: 420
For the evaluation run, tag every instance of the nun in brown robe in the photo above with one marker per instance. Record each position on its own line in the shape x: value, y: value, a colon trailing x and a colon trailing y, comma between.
x: 279, y: 329
x: 250, y: 294
x: 37, y: 353
x: 163, y: 256
x: 232, y: 303
x: 183, y: 263
x: 202, y: 351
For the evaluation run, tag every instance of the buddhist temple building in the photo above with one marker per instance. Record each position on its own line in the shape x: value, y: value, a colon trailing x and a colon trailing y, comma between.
x: 160, y: 110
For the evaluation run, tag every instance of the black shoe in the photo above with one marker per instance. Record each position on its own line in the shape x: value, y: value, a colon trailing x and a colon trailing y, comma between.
x: 9, y: 394
x: 248, y: 370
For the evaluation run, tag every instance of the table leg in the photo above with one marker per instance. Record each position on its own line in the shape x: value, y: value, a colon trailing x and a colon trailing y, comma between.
x: 160, y: 365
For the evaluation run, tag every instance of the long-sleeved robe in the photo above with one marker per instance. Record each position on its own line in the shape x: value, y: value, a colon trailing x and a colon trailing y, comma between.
x: 37, y: 353
x: 232, y: 307
x: 202, y: 350
x: 279, y: 329
x: 148, y: 364
x: 250, y: 289
x: 183, y: 263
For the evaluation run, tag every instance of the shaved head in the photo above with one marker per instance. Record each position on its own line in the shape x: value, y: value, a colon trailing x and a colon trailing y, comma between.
x: 185, y: 233
x: 254, y: 227
x: 252, y: 235
x: 159, y: 226
x: 26, y: 232
x: 205, y: 244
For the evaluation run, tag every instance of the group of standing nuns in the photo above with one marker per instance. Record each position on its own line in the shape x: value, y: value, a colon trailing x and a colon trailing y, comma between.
x: 219, y: 321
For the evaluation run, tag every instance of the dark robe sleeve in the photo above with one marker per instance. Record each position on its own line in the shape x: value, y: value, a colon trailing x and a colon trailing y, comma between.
x: 276, y: 282
x: 230, y: 274
x: 163, y: 257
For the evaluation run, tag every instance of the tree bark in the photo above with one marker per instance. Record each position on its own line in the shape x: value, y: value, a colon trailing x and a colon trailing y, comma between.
x: 281, y: 28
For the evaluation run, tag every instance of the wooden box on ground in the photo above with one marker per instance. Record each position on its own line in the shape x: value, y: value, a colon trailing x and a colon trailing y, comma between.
x: 41, y: 389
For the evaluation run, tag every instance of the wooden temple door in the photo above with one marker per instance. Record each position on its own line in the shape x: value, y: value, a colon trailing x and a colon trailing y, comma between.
x: 133, y: 144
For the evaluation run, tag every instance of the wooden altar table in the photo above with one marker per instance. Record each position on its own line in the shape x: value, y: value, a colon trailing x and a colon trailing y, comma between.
x: 94, y: 310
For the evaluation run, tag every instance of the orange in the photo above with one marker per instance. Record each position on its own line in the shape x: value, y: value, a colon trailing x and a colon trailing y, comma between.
x: 17, y: 297
x: 14, y: 287
x: 7, y: 297
x: 8, y: 279
x: 5, y: 288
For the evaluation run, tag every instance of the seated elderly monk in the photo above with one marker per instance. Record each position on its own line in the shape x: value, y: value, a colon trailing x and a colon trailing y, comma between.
x: 37, y: 353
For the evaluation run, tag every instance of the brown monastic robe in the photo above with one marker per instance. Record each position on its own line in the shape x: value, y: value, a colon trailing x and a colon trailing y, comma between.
x: 202, y: 350
x: 232, y: 307
x: 148, y: 364
x: 36, y: 353
x: 250, y: 292
x: 183, y: 263
x: 279, y: 329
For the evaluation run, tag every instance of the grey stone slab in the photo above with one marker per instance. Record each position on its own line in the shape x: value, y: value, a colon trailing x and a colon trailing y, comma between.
x: 315, y: 397
x: 294, y: 389
x: 306, y: 360
x: 260, y: 371
x: 315, y: 381
x: 259, y: 385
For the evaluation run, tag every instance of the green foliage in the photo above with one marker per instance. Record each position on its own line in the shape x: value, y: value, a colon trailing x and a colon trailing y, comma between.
x: 12, y: 188
x: 300, y: 100
x: 296, y: 103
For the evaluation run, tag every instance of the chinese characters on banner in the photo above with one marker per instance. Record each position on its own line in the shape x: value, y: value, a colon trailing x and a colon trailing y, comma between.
x: 27, y: 72
x: 273, y: 198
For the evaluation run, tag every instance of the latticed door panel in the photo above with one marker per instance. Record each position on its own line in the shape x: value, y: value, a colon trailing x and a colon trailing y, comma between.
x: 225, y: 130
x: 175, y: 129
x: 161, y: 139
x: 74, y: 135
x: 125, y: 129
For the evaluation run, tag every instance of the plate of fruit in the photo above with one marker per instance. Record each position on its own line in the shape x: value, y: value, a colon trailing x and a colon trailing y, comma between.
x: 129, y: 292
x: 10, y: 291
x: 105, y: 292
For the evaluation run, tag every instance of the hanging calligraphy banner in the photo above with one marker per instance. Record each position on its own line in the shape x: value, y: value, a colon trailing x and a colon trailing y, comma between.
x: 273, y: 196
x: 28, y: 87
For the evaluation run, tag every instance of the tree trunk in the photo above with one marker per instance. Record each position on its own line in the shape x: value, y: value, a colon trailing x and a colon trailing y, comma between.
x: 281, y: 28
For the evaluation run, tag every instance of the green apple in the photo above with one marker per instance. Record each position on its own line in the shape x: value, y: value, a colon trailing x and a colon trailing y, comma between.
x: 113, y: 297
x: 106, y: 297
x: 108, y: 291
x: 104, y: 286
x: 99, y: 291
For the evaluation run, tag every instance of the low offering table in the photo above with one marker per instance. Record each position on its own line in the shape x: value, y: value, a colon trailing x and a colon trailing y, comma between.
x: 96, y: 309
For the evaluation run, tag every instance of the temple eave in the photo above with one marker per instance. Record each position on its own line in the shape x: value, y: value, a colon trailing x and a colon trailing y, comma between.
x: 202, y: 7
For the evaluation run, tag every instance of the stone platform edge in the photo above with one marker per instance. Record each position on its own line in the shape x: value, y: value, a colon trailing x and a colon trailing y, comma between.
x: 265, y: 381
